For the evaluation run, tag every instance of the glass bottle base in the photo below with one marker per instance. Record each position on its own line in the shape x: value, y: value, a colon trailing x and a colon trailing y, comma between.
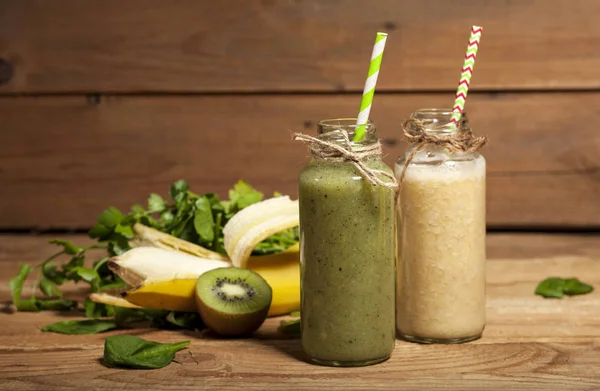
x: 333, y: 363
x: 422, y: 340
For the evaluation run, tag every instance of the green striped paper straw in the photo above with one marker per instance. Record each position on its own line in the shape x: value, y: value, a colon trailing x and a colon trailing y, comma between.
x: 369, y: 91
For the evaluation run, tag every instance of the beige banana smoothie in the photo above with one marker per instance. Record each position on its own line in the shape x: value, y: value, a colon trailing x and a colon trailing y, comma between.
x: 441, y: 266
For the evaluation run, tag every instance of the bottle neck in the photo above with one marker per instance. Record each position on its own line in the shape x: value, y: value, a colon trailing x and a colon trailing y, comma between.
x: 342, y: 131
x: 439, y: 121
x: 443, y: 140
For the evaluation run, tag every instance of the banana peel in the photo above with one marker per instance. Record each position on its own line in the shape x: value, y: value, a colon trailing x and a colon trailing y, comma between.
x: 174, y: 295
x: 150, y: 237
x: 112, y: 299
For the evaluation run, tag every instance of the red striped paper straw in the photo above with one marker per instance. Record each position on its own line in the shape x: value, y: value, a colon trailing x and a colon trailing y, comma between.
x: 467, y: 73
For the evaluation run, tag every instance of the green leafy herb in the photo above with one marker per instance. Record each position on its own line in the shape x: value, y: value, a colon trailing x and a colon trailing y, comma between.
x: 125, y: 316
x: 55, y: 305
x: 50, y: 272
x: 107, y: 221
x: 88, y: 326
x: 16, y: 287
x: 556, y: 287
x: 97, y: 310
x: 244, y: 195
x: 49, y: 288
x: 69, y: 248
x: 124, y: 230
x: 32, y: 303
x: 178, y: 190
x: 156, y: 203
x: 279, y: 242
x: 204, y: 222
x: 128, y: 351
x: 185, y: 320
x: 189, y: 216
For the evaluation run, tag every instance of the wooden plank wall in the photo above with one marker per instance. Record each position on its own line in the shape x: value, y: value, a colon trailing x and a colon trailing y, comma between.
x: 104, y: 101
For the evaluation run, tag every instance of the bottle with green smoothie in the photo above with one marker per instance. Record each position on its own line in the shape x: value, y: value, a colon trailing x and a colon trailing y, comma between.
x: 347, y: 239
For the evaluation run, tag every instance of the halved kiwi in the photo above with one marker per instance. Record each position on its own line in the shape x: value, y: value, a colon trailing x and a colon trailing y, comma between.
x: 233, y: 301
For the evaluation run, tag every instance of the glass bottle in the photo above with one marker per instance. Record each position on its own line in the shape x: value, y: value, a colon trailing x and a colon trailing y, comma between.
x: 347, y: 255
x: 441, y: 239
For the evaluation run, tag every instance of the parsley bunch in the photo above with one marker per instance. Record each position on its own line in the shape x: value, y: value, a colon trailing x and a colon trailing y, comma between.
x: 196, y: 218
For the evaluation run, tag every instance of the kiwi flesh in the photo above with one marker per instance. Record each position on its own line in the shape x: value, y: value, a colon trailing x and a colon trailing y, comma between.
x: 233, y: 301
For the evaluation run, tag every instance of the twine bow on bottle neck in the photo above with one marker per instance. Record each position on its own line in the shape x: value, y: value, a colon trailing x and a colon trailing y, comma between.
x: 462, y: 140
x: 354, y: 154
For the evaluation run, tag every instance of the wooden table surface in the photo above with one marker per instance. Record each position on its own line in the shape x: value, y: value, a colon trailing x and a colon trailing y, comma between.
x: 529, y: 342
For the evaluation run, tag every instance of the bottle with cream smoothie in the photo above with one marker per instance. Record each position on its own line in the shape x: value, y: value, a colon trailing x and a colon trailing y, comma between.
x: 441, y: 237
x: 347, y: 239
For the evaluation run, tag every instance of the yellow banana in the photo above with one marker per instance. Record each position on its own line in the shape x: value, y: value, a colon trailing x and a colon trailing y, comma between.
x: 165, y: 279
x: 173, y: 295
x: 281, y: 271
x: 283, y: 275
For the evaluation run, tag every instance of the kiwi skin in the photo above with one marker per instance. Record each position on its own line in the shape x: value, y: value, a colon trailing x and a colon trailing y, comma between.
x: 231, y: 325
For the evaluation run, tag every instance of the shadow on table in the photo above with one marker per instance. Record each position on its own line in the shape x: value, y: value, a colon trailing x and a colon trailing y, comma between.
x: 290, y: 346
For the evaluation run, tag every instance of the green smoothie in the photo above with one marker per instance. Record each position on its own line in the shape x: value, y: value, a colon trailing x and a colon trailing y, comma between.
x: 347, y: 264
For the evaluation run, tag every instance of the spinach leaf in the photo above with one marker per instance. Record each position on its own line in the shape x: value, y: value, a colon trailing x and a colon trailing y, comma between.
x: 551, y: 287
x: 128, y: 351
x: 575, y: 287
x: 88, y: 326
x: 556, y: 287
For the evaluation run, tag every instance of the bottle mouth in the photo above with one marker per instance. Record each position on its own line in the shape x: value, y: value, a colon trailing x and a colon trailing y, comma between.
x: 437, y: 120
x: 333, y: 129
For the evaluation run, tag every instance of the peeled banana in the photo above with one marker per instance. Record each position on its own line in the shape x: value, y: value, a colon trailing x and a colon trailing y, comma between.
x: 148, y: 265
x: 162, y: 273
x: 253, y: 224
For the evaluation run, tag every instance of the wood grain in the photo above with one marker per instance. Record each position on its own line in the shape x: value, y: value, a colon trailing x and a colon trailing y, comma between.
x: 283, y: 45
x: 65, y: 159
x: 17, y: 248
x: 529, y: 343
